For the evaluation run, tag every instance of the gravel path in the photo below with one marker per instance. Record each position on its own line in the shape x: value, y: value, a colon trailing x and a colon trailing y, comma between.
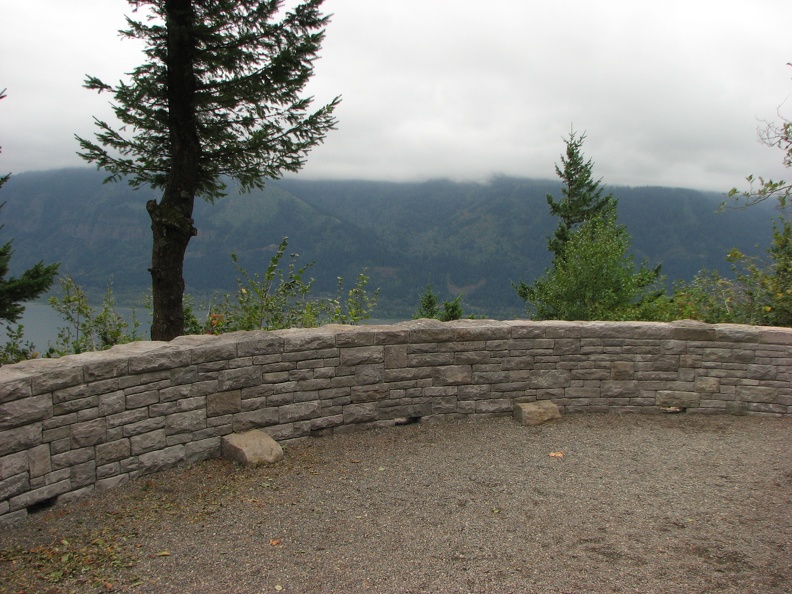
x: 601, y: 503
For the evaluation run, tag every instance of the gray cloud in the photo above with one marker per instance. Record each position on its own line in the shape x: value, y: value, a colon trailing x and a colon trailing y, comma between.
x: 668, y: 93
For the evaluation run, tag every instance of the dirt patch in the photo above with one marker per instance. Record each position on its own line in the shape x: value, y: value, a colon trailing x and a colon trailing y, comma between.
x: 672, y: 503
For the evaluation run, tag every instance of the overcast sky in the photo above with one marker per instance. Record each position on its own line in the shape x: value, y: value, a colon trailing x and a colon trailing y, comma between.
x: 669, y: 93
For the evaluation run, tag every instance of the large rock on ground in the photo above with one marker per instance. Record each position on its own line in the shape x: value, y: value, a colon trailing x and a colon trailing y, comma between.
x: 251, y: 448
x: 536, y: 413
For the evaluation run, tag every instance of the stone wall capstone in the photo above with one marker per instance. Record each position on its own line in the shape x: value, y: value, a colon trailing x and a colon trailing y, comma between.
x: 88, y: 422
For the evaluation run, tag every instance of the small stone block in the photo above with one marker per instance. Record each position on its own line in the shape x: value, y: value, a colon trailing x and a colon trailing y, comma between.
x: 672, y: 398
x: 536, y: 413
x: 251, y: 448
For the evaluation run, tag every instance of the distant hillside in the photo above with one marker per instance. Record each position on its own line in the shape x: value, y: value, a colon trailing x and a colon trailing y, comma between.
x: 464, y: 237
x: 480, y: 237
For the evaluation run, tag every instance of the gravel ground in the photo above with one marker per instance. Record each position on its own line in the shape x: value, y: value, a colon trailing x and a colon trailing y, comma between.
x: 601, y: 503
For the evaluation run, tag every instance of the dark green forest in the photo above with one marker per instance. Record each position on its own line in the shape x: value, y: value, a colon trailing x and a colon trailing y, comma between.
x: 470, y: 238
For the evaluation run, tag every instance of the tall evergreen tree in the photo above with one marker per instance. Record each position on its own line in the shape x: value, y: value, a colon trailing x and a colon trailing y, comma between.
x: 581, y: 194
x: 593, y: 276
x: 32, y: 283
x: 218, y: 96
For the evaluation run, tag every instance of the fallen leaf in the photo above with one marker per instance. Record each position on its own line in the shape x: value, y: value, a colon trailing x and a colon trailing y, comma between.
x: 381, y: 468
x: 278, y: 587
x: 556, y: 454
x: 163, y: 554
x: 275, y: 542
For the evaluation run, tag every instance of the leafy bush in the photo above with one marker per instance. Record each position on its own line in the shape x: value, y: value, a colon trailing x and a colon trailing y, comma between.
x: 86, y: 329
x: 356, y: 306
x: 595, y: 278
x: 281, y: 299
x: 760, y: 292
x: 16, y: 349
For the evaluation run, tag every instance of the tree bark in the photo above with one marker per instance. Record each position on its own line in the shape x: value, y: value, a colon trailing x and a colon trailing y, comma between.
x: 172, y: 232
x: 171, y: 218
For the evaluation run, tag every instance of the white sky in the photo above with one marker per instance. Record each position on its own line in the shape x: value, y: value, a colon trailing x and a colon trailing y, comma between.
x: 669, y: 93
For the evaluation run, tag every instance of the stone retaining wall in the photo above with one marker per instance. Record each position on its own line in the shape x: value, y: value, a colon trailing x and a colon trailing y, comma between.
x: 96, y: 420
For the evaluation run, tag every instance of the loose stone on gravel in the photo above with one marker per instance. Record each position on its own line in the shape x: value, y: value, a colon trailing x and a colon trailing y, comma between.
x: 536, y: 413
x: 251, y: 448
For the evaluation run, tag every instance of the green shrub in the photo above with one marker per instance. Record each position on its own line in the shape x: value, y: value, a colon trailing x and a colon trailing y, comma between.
x: 87, y: 329
x: 281, y: 299
x: 428, y: 306
x: 16, y: 349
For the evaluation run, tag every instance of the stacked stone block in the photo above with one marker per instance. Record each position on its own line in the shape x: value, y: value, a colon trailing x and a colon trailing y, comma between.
x: 93, y: 421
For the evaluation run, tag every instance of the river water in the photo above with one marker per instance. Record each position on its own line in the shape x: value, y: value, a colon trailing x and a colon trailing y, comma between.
x: 41, y: 323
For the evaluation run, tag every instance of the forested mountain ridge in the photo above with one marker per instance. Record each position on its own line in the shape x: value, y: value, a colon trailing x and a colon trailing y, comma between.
x: 474, y: 238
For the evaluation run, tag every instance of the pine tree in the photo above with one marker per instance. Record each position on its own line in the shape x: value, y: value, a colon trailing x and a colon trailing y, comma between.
x: 581, y: 195
x: 429, y: 306
x: 14, y: 291
x: 218, y: 97
x: 593, y: 276
x: 32, y: 283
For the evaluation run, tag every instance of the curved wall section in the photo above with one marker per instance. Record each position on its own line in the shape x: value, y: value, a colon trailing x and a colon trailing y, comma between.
x: 92, y: 421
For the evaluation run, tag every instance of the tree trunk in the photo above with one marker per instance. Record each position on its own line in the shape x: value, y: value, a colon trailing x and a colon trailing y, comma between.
x: 172, y: 232
x: 171, y: 219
